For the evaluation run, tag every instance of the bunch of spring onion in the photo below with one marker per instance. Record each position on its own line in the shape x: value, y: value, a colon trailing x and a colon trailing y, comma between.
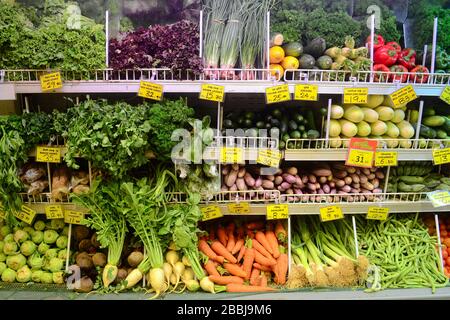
x: 103, y: 203
x: 402, y: 252
x: 144, y: 206
x: 324, y: 255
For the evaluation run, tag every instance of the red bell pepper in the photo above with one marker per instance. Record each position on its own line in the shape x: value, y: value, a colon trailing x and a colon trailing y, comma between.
x: 422, y: 77
x: 386, y: 55
x: 397, y: 47
x: 398, y: 72
x: 377, y: 43
x: 380, y: 76
x: 408, y: 58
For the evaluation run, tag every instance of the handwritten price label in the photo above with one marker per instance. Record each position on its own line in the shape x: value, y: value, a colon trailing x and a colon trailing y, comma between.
x: 445, y: 95
x: 441, y: 156
x: 211, y: 212
x: 277, y: 211
x: 48, y: 154
x: 54, y: 212
x: 439, y: 198
x: 26, y: 214
x: 51, y: 81
x: 403, y: 96
x: 385, y: 159
x: 239, y: 208
x: 331, y: 213
x: 268, y: 157
x: 278, y: 94
x: 377, y: 213
x: 150, y: 90
x: 360, y: 158
x: 73, y: 217
x: 356, y: 95
x: 231, y: 155
x: 306, y: 92
x: 212, y: 92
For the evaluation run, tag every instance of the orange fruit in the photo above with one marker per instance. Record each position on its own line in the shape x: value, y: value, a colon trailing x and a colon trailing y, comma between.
x: 273, y: 71
x: 276, y: 54
x: 290, y: 63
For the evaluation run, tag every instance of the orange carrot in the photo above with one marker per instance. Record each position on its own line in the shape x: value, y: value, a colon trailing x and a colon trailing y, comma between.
x: 261, y: 267
x: 237, y: 247
x: 249, y: 257
x: 222, y: 235
x: 280, y: 232
x: 255, y: 225
x: 226, y: 279
x: 220, y: 259
x: 254, y: 275
x: 218, y: 248
x: 282, y: 268
x: 272, y: 239
x: 261, y: 237
x: 258, y: 246
x: 234, y: 270
x: 263, y: 280
x: 259, y: 258
x: 211, y: 268
x: 250, y: 234
x: 241, y: 253
x: 204, y: 247
x: 234, y: 287
x: 231, y: 241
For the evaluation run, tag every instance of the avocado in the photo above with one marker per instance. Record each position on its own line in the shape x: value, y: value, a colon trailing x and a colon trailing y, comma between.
x: 316, y: 47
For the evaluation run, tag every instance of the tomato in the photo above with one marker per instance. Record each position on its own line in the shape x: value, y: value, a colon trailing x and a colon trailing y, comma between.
x: 444, y: 254
x: 444, y: 233
x: 447, y: 261
x: 442, y: 226
x: 446, y: 242
x: 448, y: 251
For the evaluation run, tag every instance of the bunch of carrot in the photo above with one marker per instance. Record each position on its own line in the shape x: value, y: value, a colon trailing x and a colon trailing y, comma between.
x: 246, y: 257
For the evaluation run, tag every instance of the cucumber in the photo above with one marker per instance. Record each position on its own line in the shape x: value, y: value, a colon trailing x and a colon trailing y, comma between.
x: 411, y: 179
x: 295, y: 134
x: 285, y: 137
x: 304, y: 135
x: 298, y: 117
x: 441, y: 134
x: 292, y: 125
x: 428, y: 112
x: 276, y: 113
x: 434, y: 121
x: 310, y: 119
x: 301, y: 128
x: 282, y: 144
x: 313, y: 134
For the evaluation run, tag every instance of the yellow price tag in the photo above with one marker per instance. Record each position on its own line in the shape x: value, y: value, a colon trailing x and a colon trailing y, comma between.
x: 331, y: 213
x: 212, y: 92
x: 269, y: 157
x: 360, y: 158
x: 445, y: 95
x: 48, y: 154
x: 211, y: 212
x: 403, y: 96
x: 278, y: 94
x: 277, y: 211
x: 239, y: 208
x: 26, y: 214
x: 377, y: 213
x: 306, y: 92
x: 150, y: 90
x: 441, y: 156
x: 231, y: 155
x: 385, y: 159
x: 51, y: 81
x: 54, y: 212
x: 356, y: 95
x: 439, y: 198
x: 73, y: 217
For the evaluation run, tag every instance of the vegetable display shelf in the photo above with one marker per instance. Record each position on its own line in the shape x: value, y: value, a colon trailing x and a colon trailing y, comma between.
x: 127, y: 81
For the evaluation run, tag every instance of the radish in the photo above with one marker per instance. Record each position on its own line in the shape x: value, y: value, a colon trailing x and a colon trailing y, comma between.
x: 157, y: 281
x: 192, y: 285
x: 207, y: 285
x: 187, y: 275
x: 109, y: 274
x: 168, y: 270
x: 172, y: 257
x: 133, y: 278
x: 186, y: 261
x: 178, y: 270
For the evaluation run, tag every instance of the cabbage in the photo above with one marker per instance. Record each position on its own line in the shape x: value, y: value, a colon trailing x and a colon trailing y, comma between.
x: 47, y: 277
x: 57, y: 224
x: 21, y: 236
x: 2, y: 257
x: 37, y: 237
x: 16, y: 262
x: 2, y: 267
x: 36, y: 275
x: 28, y: 248
x: 39, y: 225
x: 51, y: 253
x: 58, y: 277
x: 65, y: 231
x: 61, y: 242
x: 10, y: 248
x: 4, y: 231
x: 28, y: 229
x: 62, y: 254
x: 35, y: 261
x: 50, y: 236
x: 43, y: 248
x: 9, y: 238
x: 55, y: 264
x: 23, y: 274
x: 9, y: 275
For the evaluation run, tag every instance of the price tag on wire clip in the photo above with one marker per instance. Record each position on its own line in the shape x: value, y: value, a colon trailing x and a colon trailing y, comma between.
x: 269, y: 157
x: 306, y: 92
x: 277, y: 211
x: 355, y: 95
x: 386, y: 159
x: 361, y: 152
x: 51, y: 81
x: 377, y: 213
x: 54, y: 211
x: 441, y: 156
x: 239, y: 208
x: 331, y: 213
x: 439, y: 198
x: 73, y: 217
x: 48, y: 154
x: 277, y: 94
x: 231, y: 155
x: 212, y: 92
x: 211, y: 212
x: 403, y: 96
x: 445, y: 95
x: 26, y: 214
x: 150, y: 90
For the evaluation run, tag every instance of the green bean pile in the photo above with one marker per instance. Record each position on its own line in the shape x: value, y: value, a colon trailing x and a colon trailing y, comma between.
x: 404, y: 255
